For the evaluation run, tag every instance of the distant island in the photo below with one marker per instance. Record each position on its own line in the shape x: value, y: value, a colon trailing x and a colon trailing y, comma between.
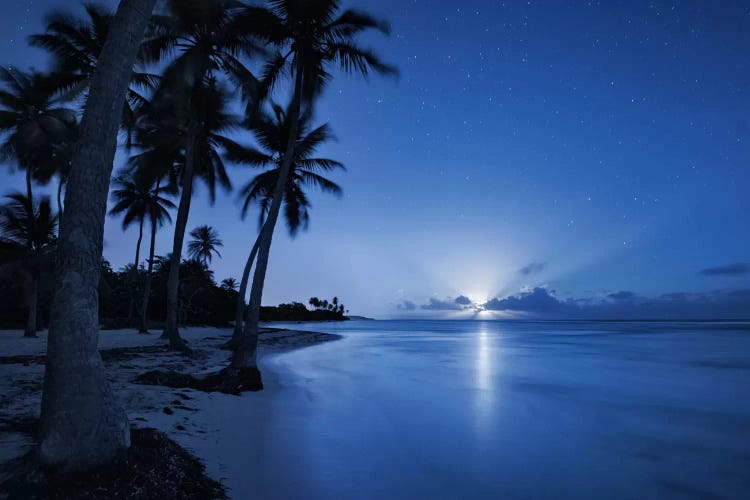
x: 322, y: 310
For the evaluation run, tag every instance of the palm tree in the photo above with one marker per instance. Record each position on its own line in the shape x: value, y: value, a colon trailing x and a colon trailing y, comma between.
x: 204, y: 244
x: 184, y: 130
x: 28, y: 244
x: 138, y: 200
x: 310, y: 38
x: 74, y: 380
x: 34, y: 122
x: 158, y: 213
x: 271, y: 131
x: 75, y: 45
x: 229, y: 284
x: 132, y: 198
x: 207, y: 41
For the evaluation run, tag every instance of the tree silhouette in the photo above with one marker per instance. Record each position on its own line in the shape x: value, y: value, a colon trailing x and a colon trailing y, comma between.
x: 27, y: 239
x: 229, y: 284
x: 310, y: 38
x: 34, y: 122
x: 204, y: 244
x: 74, y: 379
x: 75, y: 45
x: 137, y: 200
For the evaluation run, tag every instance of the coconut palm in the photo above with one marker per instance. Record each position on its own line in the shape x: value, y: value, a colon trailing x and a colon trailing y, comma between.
x: 311, y: 37
x: 75, y: 44
x: 229, y: 284
x: 203, y: 38
x: 27, y: 244
x: 158, y: 215
x: 271, y: 131
x: 34, y: 122
x: 137, y: 200
x: 185, y: 131
x: 205, y: 41
x: 204, y: 244
x: 74, y: 380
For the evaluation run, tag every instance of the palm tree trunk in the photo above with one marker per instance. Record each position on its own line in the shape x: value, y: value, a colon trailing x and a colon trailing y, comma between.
x: 30, y: 196
x: 134, y: 272
x: 29, y: 193
x: 59, y: 197
x: 239, y: 314
x: 183, y: 210
x: 82, y: 425
x: 31, y: 303
x: 147, y: 286
x: 245, y: 355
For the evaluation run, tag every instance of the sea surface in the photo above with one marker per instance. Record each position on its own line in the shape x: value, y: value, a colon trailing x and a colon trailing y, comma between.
x: 475, y: 409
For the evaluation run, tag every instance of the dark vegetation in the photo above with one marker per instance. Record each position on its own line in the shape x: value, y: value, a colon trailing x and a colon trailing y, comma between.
x: 229, y: 380
x: 153, y: 467
x: 297, y: 311
x: 202, y: 301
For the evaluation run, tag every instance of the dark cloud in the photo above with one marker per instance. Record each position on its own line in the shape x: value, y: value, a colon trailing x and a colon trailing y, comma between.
x: 406, y: 305
x: 541, y: 302
x: 443, y: 305
x: 532, y: 268
x: 738, y: 269
x: 622, y: 296
x: 463, y: 300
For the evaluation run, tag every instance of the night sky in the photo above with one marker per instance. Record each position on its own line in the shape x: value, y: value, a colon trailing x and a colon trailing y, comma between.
x: 584, y: 158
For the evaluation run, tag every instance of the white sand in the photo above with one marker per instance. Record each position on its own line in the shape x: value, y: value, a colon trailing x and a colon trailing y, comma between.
x: 20, y: 385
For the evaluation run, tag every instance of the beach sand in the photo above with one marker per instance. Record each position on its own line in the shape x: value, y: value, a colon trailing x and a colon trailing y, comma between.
x: 127, y: 354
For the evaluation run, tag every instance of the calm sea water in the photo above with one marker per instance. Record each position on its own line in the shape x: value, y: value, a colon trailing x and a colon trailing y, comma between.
x: 470, y: 409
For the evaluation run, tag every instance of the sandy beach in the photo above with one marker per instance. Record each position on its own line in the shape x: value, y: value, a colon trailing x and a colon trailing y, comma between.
x: 126, y: 355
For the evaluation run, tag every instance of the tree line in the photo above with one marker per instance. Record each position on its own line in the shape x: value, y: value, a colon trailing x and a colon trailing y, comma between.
x: 172, y: 83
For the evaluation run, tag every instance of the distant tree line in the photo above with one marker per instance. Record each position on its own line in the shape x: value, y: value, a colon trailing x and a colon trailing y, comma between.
x: 202, y: 301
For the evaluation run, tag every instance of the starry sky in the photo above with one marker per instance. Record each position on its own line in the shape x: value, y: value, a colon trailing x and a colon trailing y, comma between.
x: 535, y: 158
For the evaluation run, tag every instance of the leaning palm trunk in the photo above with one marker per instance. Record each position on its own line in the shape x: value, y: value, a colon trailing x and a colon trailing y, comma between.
x: 29, y: 196
x: 134, y: 274
x: 245, y: 355
x: 32, y: 303
x: 29, y: 191
x: 147, y: 286
x: 239, y: 314
x: 183, y: 210
x: 59, y: 197
x: 81, y: 423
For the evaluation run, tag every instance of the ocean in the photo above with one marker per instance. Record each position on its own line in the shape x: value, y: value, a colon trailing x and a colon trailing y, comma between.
x: 490, y: 409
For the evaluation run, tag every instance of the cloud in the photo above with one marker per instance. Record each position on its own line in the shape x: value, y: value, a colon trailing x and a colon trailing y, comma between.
x: 737, y: 269
x: 543, y: 303
x: 406, y: 305
x: 533, y: 268
x: 538, y: 300
x: 444, y: 305
x: 463, y: 300
x: 622, y: 296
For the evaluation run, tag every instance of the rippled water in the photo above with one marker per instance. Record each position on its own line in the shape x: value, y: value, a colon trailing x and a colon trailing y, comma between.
x: 428, y: 409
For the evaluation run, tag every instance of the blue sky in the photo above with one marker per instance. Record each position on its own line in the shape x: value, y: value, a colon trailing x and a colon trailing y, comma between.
x: 607, y: 142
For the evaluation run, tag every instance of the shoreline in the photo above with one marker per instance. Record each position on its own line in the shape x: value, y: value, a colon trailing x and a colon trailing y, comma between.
x: 126, y: 355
